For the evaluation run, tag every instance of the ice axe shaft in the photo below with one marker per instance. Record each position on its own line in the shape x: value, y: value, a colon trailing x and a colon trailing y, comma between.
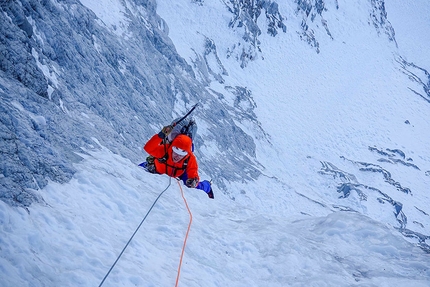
x: 186, y: 115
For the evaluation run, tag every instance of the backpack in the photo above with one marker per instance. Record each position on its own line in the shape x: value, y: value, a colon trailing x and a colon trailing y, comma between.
x: 186, y: 127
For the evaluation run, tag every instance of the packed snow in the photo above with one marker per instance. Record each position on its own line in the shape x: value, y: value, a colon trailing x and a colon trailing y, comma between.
x: 326, y: 117
x: 75, y: 238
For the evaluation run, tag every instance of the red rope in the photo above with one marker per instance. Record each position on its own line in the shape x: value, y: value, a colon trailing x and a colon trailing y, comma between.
x: 186, y: 235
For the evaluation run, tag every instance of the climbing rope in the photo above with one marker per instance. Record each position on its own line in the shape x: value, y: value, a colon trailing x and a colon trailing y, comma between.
x: 107, y: 274
x: 186, y: 235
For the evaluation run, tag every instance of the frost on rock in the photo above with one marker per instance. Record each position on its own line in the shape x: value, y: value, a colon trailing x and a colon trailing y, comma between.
x: 417, y: 75
x: 378, y: 16
x: 245, y: 17
x: 348, y: 186
x: 69, y: 80
x: 16, y: 38
x: 310, y: 11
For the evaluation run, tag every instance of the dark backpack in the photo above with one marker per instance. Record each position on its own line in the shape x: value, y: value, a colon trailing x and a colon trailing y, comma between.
x: 186, y: 127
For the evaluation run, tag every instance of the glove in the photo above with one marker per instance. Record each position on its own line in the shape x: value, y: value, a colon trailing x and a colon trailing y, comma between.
x: 192, y: 182
x: 150, y: 159
x: 165, y: 131
x: 211, y: 194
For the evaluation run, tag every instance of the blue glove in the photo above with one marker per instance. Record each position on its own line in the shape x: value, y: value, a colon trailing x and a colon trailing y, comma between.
x: 206, y: 186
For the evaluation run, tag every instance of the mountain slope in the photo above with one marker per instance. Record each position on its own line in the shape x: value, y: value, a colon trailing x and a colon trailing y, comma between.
x: 77, y: 236
x: 313, y: 126
x: 68, y: 76
x: 342, y: 103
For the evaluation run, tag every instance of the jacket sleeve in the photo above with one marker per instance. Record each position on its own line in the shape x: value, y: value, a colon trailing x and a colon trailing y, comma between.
x: 192, y: 168
x: 155, y: 147
x: 205, y: 186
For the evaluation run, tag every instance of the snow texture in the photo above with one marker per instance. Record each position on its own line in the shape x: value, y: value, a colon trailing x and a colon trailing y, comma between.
x: 313, y: 125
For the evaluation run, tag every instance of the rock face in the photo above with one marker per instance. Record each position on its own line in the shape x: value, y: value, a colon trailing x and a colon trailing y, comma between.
x: 70, y: 83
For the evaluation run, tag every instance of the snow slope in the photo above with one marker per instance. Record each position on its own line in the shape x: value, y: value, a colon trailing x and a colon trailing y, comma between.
x: 341, y: 141
x: 345, y: 105
x: 76, y: 237
x: 411, y: 22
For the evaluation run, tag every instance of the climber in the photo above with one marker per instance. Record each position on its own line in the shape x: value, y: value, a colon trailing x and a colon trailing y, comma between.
x: 174, y: 156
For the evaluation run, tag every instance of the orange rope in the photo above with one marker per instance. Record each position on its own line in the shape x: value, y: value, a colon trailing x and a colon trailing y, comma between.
x: 186, y: 236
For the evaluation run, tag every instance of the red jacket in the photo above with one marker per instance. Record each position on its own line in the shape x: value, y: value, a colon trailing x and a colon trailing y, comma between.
x: 158, y: 150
